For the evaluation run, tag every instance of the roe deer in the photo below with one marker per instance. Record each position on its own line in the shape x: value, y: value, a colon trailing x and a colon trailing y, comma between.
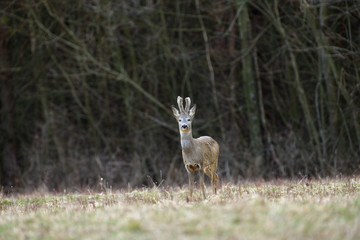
x: 198, y: 153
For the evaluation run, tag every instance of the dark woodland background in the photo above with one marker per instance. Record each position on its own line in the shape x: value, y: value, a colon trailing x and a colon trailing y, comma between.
x: 87, y: 85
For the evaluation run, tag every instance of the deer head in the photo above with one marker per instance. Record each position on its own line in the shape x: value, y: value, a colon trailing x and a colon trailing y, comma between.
x: 184, y: 116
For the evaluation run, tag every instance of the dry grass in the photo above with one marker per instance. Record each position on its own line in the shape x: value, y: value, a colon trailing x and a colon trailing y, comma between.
x: 323, y: 209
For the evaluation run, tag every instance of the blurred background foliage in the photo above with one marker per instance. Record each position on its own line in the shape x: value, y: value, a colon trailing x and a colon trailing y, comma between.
x: 87, y: 85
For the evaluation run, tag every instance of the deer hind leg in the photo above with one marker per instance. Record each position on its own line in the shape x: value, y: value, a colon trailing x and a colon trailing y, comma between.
x: 211, y: 172
x: 214, y: 181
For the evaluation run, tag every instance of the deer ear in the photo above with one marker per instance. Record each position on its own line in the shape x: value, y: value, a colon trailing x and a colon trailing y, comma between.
x: 175, y: 112
x: 192, y: 111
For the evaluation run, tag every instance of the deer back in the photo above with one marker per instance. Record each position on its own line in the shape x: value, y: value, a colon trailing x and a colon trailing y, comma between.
x: 203, y: 151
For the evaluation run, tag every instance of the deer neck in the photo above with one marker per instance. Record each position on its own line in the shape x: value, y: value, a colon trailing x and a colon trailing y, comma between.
x: 187, y: 141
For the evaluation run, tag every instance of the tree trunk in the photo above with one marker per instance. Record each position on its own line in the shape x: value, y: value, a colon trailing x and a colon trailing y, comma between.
x: 10, y: 172
x: 249, y: 86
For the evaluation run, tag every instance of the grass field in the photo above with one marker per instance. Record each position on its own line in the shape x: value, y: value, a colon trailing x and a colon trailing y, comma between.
x: 321, y: 209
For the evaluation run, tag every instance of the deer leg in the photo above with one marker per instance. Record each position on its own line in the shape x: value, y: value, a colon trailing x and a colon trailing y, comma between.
x: 215, y: 182
x: 202, y: 185
x: 191, y: 182
x: 208, y: 172
x: 210, y: 175
x: 211, y: 172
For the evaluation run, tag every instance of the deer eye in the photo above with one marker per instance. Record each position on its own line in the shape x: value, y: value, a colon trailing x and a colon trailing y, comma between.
x: 179, y: 120
x: 188, y: 119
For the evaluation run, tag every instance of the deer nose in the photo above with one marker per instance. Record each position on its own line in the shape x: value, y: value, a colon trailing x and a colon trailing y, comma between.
x: 184, y: 126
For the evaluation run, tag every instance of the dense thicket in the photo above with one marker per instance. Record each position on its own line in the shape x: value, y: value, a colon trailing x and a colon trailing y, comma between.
x: 86, y: 88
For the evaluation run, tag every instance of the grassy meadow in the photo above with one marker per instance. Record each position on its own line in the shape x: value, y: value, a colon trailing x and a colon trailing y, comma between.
x: 303, y: 209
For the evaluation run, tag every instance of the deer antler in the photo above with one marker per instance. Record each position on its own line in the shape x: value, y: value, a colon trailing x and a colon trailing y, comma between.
x: 187, y: 104
x: 180, y: 103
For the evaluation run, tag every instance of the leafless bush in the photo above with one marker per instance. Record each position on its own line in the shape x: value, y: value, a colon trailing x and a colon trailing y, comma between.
x: 87, y: 88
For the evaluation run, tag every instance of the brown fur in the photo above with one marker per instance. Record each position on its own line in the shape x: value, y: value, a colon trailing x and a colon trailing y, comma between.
x: 199, y: 154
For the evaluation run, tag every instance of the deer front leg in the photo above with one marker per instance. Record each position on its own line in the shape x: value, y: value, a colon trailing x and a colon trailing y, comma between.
x: 202, y: 185
x: 191, y: 181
